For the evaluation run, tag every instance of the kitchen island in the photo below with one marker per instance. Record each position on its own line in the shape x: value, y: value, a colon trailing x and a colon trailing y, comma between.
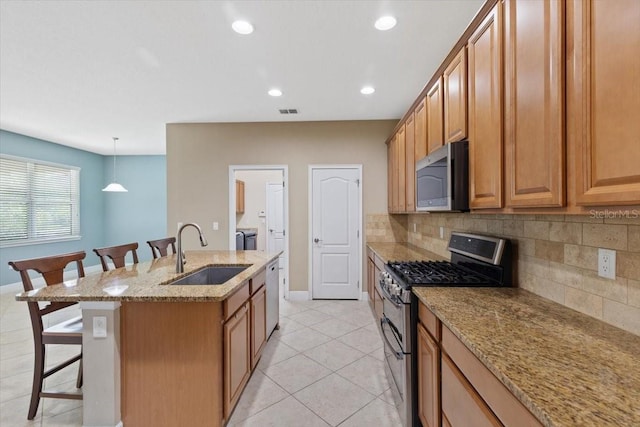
x: 172, y: 355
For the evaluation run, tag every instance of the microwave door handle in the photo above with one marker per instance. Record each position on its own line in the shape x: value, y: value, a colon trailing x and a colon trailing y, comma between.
x: 397, y: 354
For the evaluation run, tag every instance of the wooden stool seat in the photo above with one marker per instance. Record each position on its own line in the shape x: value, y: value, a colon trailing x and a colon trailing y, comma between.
x: 67, y: 332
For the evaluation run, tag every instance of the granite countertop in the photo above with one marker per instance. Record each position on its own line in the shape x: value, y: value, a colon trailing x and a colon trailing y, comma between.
x: 147, y: 281
x: 567, y: 368
x: 401, y: 252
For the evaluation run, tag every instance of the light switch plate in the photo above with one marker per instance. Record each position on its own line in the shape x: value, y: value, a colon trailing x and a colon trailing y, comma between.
x: 99, y: 327
x: 215, y: 226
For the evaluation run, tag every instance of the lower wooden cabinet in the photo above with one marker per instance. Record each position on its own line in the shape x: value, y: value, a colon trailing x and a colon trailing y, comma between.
x: 428, y: 379
x: 461, y: 405
x: 455, y: 389
x: 258, y: 324
x: 237, y: 356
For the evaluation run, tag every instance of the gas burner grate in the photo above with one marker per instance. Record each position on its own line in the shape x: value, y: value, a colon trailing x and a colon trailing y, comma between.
x: 435, y: 272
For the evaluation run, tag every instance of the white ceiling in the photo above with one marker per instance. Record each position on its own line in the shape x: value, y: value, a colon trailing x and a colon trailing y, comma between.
x: 77, y: 73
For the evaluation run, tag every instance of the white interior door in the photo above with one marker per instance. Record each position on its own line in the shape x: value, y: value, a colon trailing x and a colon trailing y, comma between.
x: 335, y: 218
x: 275, y: 224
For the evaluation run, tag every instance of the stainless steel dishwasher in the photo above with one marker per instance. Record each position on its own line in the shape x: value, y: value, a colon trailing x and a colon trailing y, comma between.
x: 273, y: 296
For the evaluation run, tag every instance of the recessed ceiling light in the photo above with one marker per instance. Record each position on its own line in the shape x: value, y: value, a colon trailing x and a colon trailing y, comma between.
x: 385, y: 23
x: 367, y: 90
x: 275, y: 92
x: 242, y: 27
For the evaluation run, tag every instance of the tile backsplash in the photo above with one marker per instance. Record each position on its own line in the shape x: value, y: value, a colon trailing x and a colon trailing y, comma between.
x: 556, y: 255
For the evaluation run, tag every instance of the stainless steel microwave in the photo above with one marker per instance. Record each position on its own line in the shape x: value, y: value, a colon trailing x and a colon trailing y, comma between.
x: 442, y: 179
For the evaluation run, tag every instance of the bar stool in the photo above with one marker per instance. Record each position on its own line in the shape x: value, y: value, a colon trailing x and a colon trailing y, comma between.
x: 116, y: 254
x: 67, y: 332
x: 159, y: 248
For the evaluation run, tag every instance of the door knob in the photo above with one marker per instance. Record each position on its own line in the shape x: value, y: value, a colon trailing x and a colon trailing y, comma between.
x: 316, y: 240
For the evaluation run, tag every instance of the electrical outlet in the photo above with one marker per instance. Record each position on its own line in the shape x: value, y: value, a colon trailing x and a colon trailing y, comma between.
x: 415, y: 227
x: 99, y: 327
x: 442, y: 232
x: 607, y: 263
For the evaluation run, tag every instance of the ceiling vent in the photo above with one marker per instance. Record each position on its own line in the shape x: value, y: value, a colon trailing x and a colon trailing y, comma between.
x: 288, y: 111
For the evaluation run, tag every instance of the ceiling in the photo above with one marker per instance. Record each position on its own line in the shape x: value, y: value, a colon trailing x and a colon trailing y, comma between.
x: 78, y: 73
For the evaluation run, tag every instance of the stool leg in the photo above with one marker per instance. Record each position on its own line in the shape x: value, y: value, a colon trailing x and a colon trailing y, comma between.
x: 38, y: 372
x: 79, y: 379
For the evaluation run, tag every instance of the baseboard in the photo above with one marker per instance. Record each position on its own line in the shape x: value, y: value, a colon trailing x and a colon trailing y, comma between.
x: 364, y: 296
x: 298, y: 295
x: 38, y: 282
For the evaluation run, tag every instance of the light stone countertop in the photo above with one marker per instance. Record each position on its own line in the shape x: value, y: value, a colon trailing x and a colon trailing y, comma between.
x: 567, y: 368
x: 401, y: 252
x: 147, y: 281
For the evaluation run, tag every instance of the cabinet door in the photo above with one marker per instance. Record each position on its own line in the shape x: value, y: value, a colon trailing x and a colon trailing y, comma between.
x: 485, y: 113
x: 401, y: 177
x: 410, y: 168
x: 428, y: 379
x: 603, y: 100
x: 420, y: 117
x: 258, y: 324
x: 455, y: 98
x: 435, y: 109
x: 371, y: 271
x: 390, y: 177
x: 237, y: 357
x: 239, y: 196
x: 534, y: 103
x: 461, y: 405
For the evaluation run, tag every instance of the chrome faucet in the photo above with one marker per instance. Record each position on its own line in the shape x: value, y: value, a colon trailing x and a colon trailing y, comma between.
x: 181, y: 258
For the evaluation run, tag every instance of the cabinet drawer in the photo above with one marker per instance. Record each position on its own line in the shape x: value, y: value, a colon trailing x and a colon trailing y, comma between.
x: 430, y: 321
x: 461, y: 405
x: 504, y: 404
x: 257, y: 281
x: 379, y: 263
x: 235, y: 301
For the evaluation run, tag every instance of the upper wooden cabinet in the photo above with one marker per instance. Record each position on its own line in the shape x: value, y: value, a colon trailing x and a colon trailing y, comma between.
x: 390, y: 177
x: 435, y: 108
x: 485, y: 113
x: 534, y: 103
x: 420, y: 117
x: 410, y: 161
x: 239, y: 196
x: 455, y: 98
x: 603, y: 101
x: 401, y: 170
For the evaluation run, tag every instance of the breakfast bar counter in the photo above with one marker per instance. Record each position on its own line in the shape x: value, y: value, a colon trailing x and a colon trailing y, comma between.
x: 148, y: 281
x: 163, y: 354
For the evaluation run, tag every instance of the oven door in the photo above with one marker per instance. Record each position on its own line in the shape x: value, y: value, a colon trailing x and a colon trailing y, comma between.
x: 393, y: 354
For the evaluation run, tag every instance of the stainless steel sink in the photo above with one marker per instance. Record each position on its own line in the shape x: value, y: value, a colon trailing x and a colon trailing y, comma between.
x: 211, y: 275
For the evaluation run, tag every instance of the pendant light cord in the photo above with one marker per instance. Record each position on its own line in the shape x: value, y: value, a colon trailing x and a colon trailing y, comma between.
x: 114, y: 158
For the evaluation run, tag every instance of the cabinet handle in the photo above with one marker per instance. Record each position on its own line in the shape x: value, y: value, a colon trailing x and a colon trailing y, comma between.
x: 241, y: 311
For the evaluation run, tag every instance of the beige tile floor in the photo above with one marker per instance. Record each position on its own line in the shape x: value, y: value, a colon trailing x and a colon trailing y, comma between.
x: 324, y: 366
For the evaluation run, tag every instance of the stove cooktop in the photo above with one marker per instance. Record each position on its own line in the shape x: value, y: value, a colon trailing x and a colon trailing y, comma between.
x: 436, y: 273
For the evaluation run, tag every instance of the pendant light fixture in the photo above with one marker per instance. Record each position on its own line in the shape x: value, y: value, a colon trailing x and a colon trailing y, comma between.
x: 114, y: 186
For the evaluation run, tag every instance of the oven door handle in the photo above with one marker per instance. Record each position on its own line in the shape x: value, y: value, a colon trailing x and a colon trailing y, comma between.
x: 387, y: 296
x: 397, y: 354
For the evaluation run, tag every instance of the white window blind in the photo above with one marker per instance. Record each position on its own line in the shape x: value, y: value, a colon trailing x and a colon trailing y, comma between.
x: 39, y: 202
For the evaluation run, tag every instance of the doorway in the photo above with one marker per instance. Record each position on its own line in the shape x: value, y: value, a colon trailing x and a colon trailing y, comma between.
x: 335, y: 207
x: 261, y: 210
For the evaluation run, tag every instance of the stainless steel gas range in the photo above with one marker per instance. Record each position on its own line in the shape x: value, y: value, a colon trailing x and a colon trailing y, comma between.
x: 476, y: 260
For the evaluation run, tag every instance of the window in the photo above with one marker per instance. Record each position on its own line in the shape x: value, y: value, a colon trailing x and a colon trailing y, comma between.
x: 39, y: 201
